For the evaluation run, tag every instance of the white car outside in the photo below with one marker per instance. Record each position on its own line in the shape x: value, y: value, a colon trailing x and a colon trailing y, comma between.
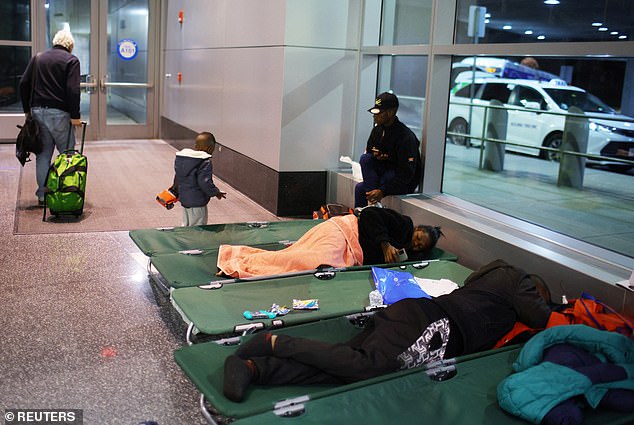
x: 536, y: 117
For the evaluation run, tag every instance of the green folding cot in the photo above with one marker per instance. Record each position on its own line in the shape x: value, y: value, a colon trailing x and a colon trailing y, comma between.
x: 456, y: 391
x: 467, y: 398
x: 181, y: 257
x: 218, y: 313
x: 170, y: 240
x: 178, y: 270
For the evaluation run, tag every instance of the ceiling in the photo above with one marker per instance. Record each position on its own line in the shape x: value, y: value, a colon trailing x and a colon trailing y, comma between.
x: 568, y: 21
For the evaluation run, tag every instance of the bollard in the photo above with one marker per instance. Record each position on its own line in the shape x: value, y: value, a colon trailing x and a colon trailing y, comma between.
x: 574, y: 139
x: 496, y: 124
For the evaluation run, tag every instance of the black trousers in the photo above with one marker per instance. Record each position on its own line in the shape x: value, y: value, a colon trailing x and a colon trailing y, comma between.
x: 375, y: 351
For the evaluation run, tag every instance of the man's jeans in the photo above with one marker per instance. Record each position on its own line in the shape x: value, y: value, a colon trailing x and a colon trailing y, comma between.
x: 375, y: 174
x: 55, y: 132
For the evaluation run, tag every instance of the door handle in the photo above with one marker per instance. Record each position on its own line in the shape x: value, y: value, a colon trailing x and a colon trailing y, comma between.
x: 122, y: 84
x: 90, y: 84
x: 103, y: 84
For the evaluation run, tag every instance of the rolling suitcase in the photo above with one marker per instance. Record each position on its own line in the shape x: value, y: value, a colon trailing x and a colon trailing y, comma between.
x: 66, y: 182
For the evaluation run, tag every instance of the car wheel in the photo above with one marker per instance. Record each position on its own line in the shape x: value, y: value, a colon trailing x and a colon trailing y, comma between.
x: 552, y: 141
x: 458, y: 125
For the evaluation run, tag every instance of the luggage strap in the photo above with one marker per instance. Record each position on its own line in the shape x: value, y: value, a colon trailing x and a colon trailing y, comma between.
x: 73, y: 169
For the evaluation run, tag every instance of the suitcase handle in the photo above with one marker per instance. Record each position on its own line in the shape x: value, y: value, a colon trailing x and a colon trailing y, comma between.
x: 83, y: 138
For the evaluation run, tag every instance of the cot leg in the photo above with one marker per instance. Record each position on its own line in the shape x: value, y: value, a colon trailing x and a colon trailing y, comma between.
x: 190, y: 334
x: 203, y: 409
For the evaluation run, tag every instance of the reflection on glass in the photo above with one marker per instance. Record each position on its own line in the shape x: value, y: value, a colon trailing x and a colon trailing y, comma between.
x: 73, y: 15
x: 14, y: 62
x: 405, y: 22
x: 517, y: 137
x: 15, y: 20
x: 127, y: 62
x: 406, y: 76
x: 538, y: 22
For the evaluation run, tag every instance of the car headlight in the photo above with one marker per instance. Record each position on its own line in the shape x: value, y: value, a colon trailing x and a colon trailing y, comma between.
x: 601, y: 128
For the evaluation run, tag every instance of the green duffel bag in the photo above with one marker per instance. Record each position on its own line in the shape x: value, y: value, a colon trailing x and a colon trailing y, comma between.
x: 66, y: 184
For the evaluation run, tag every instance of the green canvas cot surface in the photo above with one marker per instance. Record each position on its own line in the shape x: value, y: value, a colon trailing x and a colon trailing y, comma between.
x: 182, y: 270
x: 220, y: 311
x: 208, y: 237
x: 467, y: 398
x: 408, y: 396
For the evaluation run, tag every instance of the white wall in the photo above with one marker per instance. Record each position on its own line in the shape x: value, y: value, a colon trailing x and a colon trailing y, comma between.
x: 265, y: 76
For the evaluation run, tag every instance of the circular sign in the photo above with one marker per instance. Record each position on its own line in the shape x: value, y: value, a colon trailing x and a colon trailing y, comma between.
x: 127, y: 49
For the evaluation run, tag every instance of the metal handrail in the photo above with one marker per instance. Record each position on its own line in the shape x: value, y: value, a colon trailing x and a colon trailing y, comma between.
x: 483, y: 138
x: 591, y: 115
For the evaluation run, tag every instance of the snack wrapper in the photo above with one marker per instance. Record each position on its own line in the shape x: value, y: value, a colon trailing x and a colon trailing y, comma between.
x: 312, y: 304
x: 279, y: 310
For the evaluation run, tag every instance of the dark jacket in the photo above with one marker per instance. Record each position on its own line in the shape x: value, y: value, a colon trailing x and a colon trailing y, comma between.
x: 378, y: 225
x: 560, y: 367
x: 402, y: 148
x: 193, y: 178
x: 57, y: 78
x: 492, y: 299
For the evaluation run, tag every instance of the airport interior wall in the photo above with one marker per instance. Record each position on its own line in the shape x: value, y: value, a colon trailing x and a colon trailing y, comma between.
x: 282, y: 87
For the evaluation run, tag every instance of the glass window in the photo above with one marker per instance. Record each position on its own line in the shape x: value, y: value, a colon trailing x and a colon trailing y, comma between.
x: 540, y: 21
x: 582, y: 100
x: 405, y: 76
x: 542, y: 127
x: 523, y: 96
x: 496, y: 91
x: 405, y: 22
x: 14, y: 62
x: 15, y: 20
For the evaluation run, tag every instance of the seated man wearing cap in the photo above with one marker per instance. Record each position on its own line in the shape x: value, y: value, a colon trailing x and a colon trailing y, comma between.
x: 391, y: 164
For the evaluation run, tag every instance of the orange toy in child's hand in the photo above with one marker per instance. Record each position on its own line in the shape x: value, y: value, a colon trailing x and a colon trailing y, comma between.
x: 167, y: 199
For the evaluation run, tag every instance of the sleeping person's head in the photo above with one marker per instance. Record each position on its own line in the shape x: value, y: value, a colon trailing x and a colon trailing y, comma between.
x: 425, y: 237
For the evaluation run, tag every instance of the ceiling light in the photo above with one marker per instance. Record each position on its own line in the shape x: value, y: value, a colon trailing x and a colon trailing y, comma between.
x: 541, y: 37
x: 528, y: 32
x: 487, y: 21
x: 487, y: 15
x: 614, y: 33
x: 507, y: 27
x: 551, y: 2
x: 597, y: 24
x: 622, y: 37
x: 603, y: 29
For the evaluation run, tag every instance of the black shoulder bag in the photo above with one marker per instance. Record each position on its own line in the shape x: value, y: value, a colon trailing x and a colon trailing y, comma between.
x: 28, y: 140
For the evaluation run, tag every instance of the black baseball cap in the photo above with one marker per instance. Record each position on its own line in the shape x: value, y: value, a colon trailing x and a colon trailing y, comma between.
x: 384, y: 101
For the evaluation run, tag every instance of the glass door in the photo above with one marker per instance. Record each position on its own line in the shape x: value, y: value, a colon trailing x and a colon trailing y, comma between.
x: 126, y: 68
x: 116, y: 47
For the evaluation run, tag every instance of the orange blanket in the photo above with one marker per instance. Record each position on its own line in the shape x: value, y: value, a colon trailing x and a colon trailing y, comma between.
x: 334, y: 242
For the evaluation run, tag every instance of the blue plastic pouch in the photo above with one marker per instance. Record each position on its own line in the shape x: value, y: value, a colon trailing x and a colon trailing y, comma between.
x: 396, y: 285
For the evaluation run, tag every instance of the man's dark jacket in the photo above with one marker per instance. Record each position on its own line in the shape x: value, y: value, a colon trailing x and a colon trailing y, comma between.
x: 57, y: 78
x: 403, y: 155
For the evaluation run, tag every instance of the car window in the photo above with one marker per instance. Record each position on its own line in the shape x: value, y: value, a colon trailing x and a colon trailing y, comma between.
x: 496, y: 91
x: 523, y: 95
x: 583, y: 100
x: 466, y: 90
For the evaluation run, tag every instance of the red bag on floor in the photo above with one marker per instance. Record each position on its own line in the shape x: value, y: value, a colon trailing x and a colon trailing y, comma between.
x: 332, y: 210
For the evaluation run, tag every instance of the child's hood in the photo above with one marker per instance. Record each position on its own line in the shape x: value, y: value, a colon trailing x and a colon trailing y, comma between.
x: 191, y: 153
x: 188, y: 160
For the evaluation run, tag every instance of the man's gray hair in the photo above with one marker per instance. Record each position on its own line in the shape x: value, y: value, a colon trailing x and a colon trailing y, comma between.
x: 65, y: 39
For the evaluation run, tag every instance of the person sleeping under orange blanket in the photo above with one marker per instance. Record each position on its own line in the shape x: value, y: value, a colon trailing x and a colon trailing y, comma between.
x: 343, y: 241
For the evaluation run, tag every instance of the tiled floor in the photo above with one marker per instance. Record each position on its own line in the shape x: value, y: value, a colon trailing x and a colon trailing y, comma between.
x: 82, y: 328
